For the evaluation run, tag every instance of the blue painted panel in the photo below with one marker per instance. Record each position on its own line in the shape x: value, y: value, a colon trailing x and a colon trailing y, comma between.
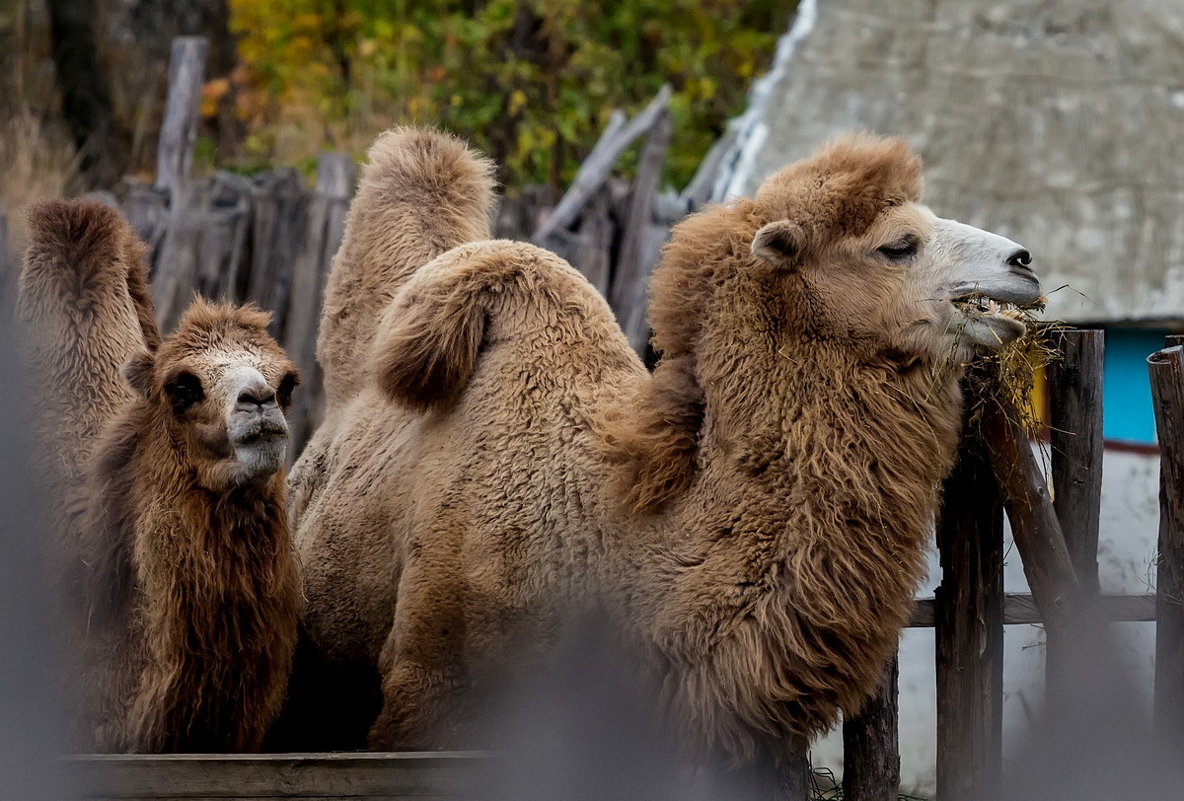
x: 1126, y: 392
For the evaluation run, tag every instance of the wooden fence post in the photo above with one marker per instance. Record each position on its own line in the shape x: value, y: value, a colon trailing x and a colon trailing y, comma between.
x: 638, y: 252
x: 871, y: 744
x: 1034, y: 524
x: 968, y: 623
x: 174, y: 276
x: 1166, y: 369
x: 326, y: 227
x: 595, y: 169
x: 178, y: 131
x: 593, y: 255
x: 1075, y: 418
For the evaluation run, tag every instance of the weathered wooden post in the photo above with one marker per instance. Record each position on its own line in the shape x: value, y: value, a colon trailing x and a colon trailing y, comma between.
x: 178, y: 131
x: 871, y: 744
x: 174, y: 275
x: 1034, y: 523
x: 326, y: 227
x: 1075, y: 418
x: 1167, y: 391
x: 968, y: 623
x: 640, y: 241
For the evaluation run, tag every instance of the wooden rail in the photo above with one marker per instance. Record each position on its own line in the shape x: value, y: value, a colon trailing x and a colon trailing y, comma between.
x: 380, y: 777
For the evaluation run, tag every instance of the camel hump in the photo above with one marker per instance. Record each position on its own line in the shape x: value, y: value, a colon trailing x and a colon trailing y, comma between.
x: 82, y: 253
x: 422, y: 193
x: 76, y: 245
x: 431, y: 336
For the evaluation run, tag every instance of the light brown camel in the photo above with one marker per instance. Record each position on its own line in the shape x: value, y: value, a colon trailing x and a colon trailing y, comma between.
x: 754, y: 512
x: 182, y: 577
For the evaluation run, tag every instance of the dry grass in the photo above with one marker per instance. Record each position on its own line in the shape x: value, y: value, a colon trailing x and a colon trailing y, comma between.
x: 1007, y: 378
x: 36, y: 163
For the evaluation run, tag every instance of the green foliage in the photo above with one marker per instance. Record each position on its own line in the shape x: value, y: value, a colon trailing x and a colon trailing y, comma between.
x: 531, y: 82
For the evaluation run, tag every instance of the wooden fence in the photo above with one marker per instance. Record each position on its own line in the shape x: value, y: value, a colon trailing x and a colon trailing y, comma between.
x: 269, y: 238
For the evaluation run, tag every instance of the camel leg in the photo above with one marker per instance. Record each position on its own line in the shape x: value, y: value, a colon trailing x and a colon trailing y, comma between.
x: 422, y: 663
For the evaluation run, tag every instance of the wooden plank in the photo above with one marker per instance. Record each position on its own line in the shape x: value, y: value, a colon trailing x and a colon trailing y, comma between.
x: 279, y: 207
x: 593, y: 256
x: 1166, y: 369
x: 323, y: 234
x: 968, y: 621
x: 1075, y: 416
x: 178, y: 131
x: 871, y: 744
x: 636, y: 258
x: 226, y: 224
x: 698, y: 192
x: 1020, y: 608
x: 1075, y: 421
x: 595, y: 169
x: 1034, y: 523
x: 147, y: 210
x: 222, y: 776
x: 175, y: 276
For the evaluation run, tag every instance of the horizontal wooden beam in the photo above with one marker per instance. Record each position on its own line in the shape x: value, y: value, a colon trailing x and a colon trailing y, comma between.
x: 267, y: 776
x: 1020, y: 608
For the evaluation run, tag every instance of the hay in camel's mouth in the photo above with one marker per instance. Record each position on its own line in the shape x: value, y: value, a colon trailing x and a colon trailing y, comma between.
x: 991, y: 322
x: 984, y: 306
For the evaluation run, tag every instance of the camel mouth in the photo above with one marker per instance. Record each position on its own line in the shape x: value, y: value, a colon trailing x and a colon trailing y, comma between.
x: 258, y: 433
x: 984, y: 306
x: 993, y: 322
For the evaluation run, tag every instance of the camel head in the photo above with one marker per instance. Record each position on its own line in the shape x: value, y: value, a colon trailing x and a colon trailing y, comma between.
x: 875, y: 265
x: 220, y: 386
x: 838, y: 248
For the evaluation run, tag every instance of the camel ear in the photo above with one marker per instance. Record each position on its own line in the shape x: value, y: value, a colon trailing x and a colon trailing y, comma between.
x: 778, y: 242
x: 138, y: 372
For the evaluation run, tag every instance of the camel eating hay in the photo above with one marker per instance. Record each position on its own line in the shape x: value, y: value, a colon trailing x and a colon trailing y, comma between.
x: 753, y: 514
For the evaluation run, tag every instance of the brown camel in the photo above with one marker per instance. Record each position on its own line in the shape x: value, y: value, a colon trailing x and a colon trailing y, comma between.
x: 182, y: 578
x: 753, y: 513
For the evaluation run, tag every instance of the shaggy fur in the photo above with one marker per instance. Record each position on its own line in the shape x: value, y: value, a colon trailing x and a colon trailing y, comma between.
x: 182, y: 578
x: 82, y: 297
x: 422, y: 193
x: 754, y: 513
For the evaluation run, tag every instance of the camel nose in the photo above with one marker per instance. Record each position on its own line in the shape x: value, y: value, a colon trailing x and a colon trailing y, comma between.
x: 254, y: 396
x: 1021, y: 260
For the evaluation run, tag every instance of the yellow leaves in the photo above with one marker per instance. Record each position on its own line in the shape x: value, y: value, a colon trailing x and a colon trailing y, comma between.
x: 211, y: 94
x: 517, y: 101
x: 348, y: 68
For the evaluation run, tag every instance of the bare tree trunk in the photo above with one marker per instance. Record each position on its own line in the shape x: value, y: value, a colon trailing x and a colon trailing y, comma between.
x: 86, y: 92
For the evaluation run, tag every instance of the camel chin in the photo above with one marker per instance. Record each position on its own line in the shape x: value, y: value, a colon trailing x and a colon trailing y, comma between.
x: 990, y: 330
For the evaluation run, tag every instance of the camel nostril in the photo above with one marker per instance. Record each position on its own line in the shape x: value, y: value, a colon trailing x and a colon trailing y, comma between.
x: 1021, y: 259
x: 262, y: 396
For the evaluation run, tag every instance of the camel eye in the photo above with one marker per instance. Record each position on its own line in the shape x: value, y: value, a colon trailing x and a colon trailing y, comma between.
x: 184, y: 390
x: 284, y: 393
x: 900, y: 251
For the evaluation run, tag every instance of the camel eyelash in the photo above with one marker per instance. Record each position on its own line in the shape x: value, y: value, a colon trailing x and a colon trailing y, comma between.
x: 900, y: 250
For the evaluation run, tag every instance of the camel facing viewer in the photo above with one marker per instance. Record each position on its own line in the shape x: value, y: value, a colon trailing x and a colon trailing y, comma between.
x: 176, y: 554
x: 753, y: 513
